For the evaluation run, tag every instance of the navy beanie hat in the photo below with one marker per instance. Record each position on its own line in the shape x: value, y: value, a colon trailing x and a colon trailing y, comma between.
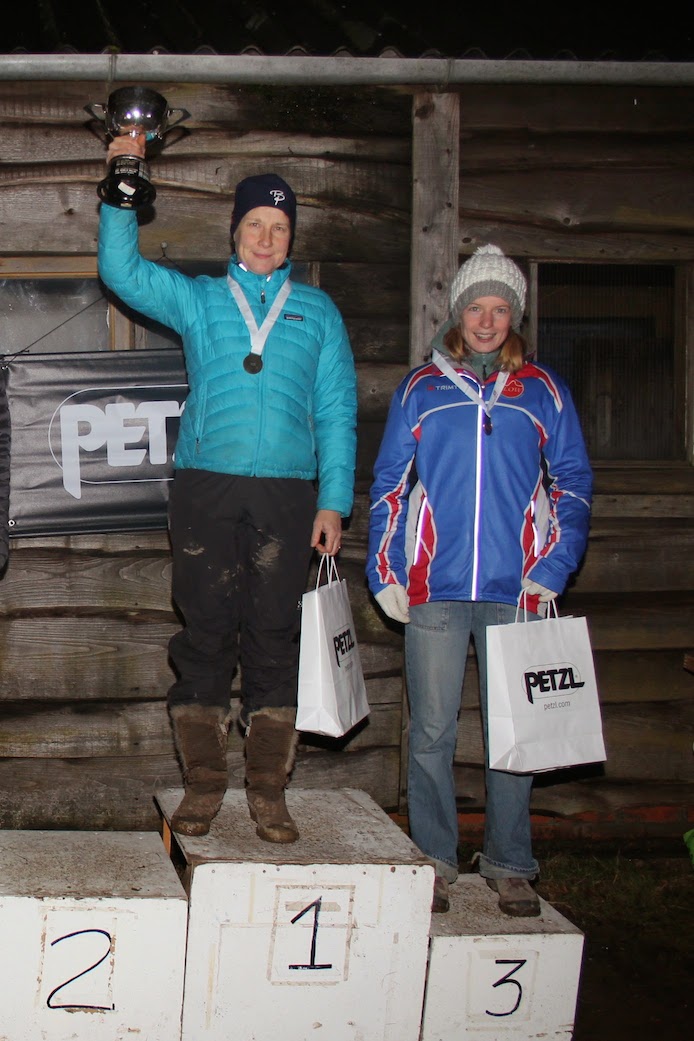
x: 263, y: 190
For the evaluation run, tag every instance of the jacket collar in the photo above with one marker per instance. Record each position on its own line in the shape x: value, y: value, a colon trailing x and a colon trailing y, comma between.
x: 250, y: 281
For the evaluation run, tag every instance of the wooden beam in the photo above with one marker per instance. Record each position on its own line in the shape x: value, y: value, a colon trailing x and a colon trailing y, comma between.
x: 435, y: 159
x: 689, y: 362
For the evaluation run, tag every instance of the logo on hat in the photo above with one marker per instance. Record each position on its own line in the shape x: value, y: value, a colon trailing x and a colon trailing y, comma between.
x: 278, y: 195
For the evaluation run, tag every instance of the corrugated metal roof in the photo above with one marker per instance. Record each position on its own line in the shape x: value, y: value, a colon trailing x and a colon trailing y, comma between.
x: 361, y: 29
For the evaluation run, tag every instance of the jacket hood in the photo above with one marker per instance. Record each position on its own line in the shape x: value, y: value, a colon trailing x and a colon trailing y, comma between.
x: 437, y: 342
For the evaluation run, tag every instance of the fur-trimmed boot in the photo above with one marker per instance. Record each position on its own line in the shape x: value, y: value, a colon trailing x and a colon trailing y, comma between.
x: 271, y: 743
x: 200, y: 734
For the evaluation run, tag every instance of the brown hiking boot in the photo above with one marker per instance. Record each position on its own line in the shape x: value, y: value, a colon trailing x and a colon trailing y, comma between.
x: 516, y: 896
x: 200, y: 735
x: 271, y: 743
x: 441, y: 902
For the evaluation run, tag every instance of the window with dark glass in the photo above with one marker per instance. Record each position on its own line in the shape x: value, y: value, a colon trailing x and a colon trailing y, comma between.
x: 609, y: 330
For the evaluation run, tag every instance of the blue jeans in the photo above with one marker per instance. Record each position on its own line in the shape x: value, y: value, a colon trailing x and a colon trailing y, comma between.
x: 436, y: 646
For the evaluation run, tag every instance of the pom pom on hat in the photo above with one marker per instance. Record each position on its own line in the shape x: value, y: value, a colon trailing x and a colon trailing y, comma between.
x: 489, y: 272
x: 263, y: 190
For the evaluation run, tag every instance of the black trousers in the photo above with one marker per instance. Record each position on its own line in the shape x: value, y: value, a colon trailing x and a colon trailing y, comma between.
x: 241, y: 555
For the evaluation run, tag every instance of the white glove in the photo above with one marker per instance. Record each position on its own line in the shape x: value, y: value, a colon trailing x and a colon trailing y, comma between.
x: 393, y: 600
x: 535, y: 589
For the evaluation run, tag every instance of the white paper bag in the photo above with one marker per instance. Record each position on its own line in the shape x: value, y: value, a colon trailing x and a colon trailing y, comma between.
x: 332, y: 691
x: 542, y: 697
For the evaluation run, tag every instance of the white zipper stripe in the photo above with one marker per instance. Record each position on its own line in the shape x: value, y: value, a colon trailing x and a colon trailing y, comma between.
x: 478, y: 503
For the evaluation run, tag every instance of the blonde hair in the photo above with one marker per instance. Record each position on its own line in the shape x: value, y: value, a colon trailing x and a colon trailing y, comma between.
x: 513, y: 352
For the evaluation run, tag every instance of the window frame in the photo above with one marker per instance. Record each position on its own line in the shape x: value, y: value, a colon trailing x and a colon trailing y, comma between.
x: 683, y: 320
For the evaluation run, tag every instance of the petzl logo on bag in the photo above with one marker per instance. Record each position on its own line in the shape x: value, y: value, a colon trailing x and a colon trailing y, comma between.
x: 547, y: 681
x: 343, y: 644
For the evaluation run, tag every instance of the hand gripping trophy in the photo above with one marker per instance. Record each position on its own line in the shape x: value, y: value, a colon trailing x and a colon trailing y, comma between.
x: 133, y: 111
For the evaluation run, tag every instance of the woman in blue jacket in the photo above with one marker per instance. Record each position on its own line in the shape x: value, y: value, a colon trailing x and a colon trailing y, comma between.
x: 482, y: 489
x: 264, y: 473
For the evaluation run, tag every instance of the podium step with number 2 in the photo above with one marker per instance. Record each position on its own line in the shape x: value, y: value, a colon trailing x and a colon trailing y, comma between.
x: 95, y: 937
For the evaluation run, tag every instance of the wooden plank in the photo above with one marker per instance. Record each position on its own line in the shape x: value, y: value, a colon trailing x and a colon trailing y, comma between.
x: 657, y: 489
x: 112, y: 794
x: 50, y: 580
x: 97, y: 542
x: 629, y: 555
x: 649, y: 741
x: 646, y: 557
x: 609, y: 109
x: 368, y: 444
x: 373, y: 339
x: 555, y: 238
x: 685, y: 327
x: 366, y: 111
x: 644, y: 741
x: 643, y: 478
x: 381, y: 659
x: 434, y: 259
x: 135, y: 585
x: 354, y: 185
x: 613, y: 508
x: 623, y: 677
x: 87, y: 729
x: 84, y: 731
x: 649, y: 506
x: 59, y: 143
x: 62, y: 218
x: 621, y: 806
x: 374, y: 771
x: 488, y: 149
x: 635, y: 621
x: 376, y: 386
x: 83, y: 657
x: 118, y: 793
x: 369, y: 289
x: 620, y: 200
x: 641, y: 676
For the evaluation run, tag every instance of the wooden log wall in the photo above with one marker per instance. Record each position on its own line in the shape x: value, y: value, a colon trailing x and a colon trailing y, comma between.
x: 569, y: 173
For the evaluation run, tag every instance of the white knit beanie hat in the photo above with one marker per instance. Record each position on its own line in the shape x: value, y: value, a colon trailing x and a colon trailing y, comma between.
x: 488, y: 272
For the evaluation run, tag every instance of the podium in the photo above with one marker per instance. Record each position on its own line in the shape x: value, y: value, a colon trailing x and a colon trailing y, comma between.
x: 94, y: 928
x: 496, y: 978
x: 325, y: 937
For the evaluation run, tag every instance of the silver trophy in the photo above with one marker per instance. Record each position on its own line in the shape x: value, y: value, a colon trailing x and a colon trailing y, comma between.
x: 132, y: 111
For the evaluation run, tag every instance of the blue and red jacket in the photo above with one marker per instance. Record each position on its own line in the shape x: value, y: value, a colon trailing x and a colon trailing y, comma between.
x: 461, y: 514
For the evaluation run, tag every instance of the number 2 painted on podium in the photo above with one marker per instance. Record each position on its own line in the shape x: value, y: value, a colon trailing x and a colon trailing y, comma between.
x: 68, y: 936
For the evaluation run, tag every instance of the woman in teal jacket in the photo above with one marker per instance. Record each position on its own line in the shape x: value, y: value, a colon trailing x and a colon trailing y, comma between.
x: 264, y: 473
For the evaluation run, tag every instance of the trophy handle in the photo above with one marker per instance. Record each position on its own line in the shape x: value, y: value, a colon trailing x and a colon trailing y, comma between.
x: 183, y: 114
x: 94, y: 108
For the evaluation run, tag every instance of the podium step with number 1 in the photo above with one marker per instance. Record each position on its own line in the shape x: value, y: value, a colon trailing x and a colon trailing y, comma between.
x: 327, y: 936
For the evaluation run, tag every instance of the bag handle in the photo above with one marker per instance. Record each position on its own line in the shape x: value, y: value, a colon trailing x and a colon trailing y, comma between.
x: 331, y: 572
x: 552, y: 609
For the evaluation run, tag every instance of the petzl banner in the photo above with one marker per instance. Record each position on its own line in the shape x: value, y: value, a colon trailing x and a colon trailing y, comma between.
x: 93, y: 436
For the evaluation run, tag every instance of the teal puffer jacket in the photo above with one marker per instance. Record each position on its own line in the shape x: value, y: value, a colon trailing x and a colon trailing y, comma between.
x: 297, y: 417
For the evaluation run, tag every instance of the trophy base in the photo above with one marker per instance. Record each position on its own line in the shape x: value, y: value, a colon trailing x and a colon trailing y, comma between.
x: 127, y: 185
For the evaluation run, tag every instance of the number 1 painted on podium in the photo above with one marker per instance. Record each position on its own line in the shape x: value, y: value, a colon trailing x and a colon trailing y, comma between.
x: 316, y: 905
